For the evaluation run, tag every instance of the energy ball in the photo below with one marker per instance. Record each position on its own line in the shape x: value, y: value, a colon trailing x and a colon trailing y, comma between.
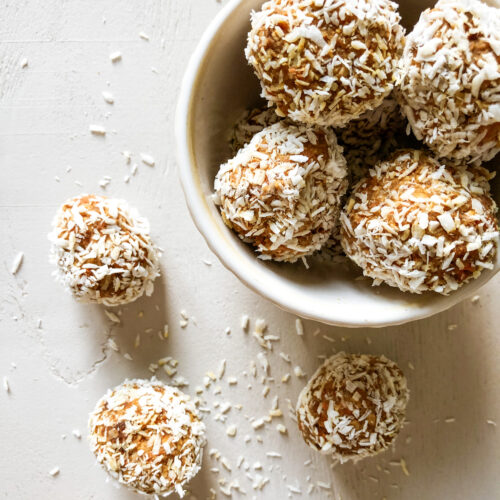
x: 353, y: 406
x: 324, y: 62
x: 372, y: 137
x: 148, y: 436
x: 282, y: 191
x: 450, y: 88
x: 103, y: 251
x: 252, y: 122
x: 421, y: 224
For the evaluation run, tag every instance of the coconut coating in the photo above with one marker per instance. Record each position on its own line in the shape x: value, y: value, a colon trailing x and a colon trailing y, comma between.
x: 353, y: 406
x: 282, y: 191
x: 372, y: 137
x: 252, y: 122
x: 323, y: 62
x: 148, y: 436
x: 450, y: 88
x: 421, y: 224
x: 103, y: 250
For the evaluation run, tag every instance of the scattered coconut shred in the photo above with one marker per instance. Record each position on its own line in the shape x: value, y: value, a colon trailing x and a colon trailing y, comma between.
x: 17, y: 262
x: 282, y: 191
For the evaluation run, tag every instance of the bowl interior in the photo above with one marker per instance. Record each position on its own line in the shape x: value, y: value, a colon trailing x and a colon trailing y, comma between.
x: 224, y: 87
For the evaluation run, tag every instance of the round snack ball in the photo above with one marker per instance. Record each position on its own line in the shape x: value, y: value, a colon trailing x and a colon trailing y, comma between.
x: 148, y: 436
x: 103, y: 251
x: 353, y: 406
x: 450, y: 88
x: 323, y: 62
x: 372, y: 137
x: 252, y: 122
x: 421, y: 224
x: 282, y: 191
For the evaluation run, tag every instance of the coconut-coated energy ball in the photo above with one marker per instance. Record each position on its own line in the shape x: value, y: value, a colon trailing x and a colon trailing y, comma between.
x: 372, y: 137
x: 103, y: 250
x: 353, y: 406
x: 450, y: 87
x: 421, y: 224
x: 251, y: 123
x: 282, y: 191
x: 323, y: 62
x: 148, y: 436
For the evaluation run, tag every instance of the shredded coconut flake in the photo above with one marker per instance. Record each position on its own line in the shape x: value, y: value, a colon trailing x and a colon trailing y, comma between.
x: 16, y: 264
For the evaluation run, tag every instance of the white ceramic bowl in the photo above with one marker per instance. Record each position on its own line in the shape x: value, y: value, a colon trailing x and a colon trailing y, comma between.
x: 218, y: 86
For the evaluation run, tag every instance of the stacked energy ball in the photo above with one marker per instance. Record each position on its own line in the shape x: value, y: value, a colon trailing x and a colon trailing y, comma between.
x: 282, y: 191
x: 332, y: 155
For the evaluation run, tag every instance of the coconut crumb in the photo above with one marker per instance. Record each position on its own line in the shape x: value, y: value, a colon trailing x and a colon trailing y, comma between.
x: 54, y: 471
x: 112, y: 344
x: 281, y: 429
x: 108, y: 97
x: 245, y: 321
x: 147, y: 160
x: 231, y: 431
x: 112, y: 316
x: 257, y: 424
x: 222, y: 369
x: 97, y: 129
x: 404, y: 467
x: 17, y: 262
x: 115, y: 56
x: 299, y: 327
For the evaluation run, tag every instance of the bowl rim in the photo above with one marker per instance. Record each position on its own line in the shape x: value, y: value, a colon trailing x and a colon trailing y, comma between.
x: 203, y: 221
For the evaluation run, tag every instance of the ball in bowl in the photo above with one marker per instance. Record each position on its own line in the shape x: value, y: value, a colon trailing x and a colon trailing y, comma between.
x: 421, y: 224
x: 282, y: 191
x: 315, y: 60
x: 450, y: 85
x: 372, y: 137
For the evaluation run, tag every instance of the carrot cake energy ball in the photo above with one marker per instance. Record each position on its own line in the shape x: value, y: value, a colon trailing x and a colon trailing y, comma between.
x: 103, y: 251
x: 325, y: 62
x: 353, y: 406
x: 372, y: 137
x: 420, y: 224
x: 253, y: 121
x: 148, y: 436
x: 450, y: 89
x: 282, y: 191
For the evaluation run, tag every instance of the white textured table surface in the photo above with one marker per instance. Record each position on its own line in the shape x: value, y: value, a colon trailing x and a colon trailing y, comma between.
x: 58, y: 368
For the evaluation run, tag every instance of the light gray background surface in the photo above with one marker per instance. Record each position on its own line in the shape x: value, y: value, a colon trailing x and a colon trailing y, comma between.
x: 58, y: 371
